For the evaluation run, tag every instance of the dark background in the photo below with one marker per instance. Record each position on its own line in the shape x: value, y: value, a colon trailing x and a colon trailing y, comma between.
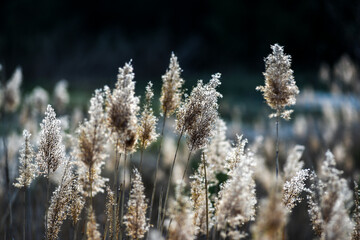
x: 86, y: 41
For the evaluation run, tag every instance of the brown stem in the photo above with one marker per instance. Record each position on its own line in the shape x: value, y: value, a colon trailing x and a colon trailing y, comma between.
x: 277, y: 146
x: 90, y: 189
x: 141, y: 156
x: 187, y: 163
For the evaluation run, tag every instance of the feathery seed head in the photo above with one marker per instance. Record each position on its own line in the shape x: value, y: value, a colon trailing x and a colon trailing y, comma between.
x: 110, y: 203
x: 147, y: 128
x: 197, y: 115
x: 61, y: 95
x: 171, y: 89
x: 280, y: 87
x: 135, y: 219
x: 329, y: 202
x: 237, y: 198
x: 92, y: 232
x: 76, y: 200
x: 51, y: 151
x: 92, y: 134
x: 271, y: 219
x: 237, y: 154
x: 182, y: 227
x: 60, y: 203
x: 122, y: 109
x: 293, y: 188
x: 27, y: 168
x: 216, y: 151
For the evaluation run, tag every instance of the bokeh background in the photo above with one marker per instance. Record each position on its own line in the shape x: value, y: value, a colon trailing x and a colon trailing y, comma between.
x: 85, y: 42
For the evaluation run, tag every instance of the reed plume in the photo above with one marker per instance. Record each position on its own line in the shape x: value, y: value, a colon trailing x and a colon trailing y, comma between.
x: 329, y: 202
x: 356, y: 215
x: 11, y: 93
x: 171, y: 89
x: 61, y: 95
x: 122, y: 109
x: 135, y: 219
x: 181, y: 227
x: 216, y: 151
x: 90, y: 147
x: 147, y: 128
x: 293, y: 188
x: 271, y: 219
x: 60, y: 203
x: 27, y: 168
x: 197, y: 115
x: 280, y: 88
x: 237, y: 199
x: 51, y: 151
x: 76, y: 200
x: 92, y: 232
x: 294, y: 178
x: 110, y: 204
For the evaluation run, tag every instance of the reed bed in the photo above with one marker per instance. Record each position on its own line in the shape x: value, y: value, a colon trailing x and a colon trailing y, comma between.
x: 118, y: 172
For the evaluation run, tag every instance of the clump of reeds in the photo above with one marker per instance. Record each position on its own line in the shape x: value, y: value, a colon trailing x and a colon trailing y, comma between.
x: 195, y: 118
x: 181, y: 225
x: 171, y: 95
x: 237, y: 199
x: 329, y: 202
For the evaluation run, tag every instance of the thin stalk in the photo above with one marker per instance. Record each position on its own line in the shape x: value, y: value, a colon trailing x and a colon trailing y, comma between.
x: 277, y: 146
x: 187, y: 163
x: 27, y: 214
x: 8, y: 187
x: 116, y: 165
x: 123, y: 196
x: 90, y: 189
x: 24, y: 226
x: 156, y: 171
x: 159, y: 210
x: 117, y: 223
x: 169, y: 182
x: 141, y: 156
x: 214, y: 232
x: 76, y: 229
x: 116, y: 190
x: 47, y: 198
x: 206, y: 199
x: 167, y: 233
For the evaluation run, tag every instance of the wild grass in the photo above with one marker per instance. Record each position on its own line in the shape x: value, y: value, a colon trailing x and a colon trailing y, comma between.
x: 121, y: 172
